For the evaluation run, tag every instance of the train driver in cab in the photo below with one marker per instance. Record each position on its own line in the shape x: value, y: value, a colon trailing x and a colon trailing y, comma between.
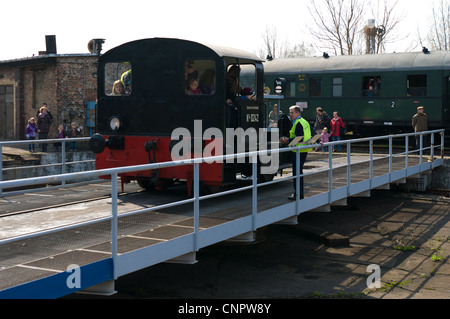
x: 126, y: 81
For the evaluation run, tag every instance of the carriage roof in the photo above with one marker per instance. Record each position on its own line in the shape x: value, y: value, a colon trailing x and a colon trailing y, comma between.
x: 436, y: 60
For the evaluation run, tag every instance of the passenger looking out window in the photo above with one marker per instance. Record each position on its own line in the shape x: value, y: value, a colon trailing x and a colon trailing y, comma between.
x: 118, y: 79
x: 199, y: 77
x: 371, y: 86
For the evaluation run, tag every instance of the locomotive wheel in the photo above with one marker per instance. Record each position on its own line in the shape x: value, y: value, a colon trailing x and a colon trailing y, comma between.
x: 146, y: 184
x: 262, y: 178
x: 164, y: 183
x: 210, y: 189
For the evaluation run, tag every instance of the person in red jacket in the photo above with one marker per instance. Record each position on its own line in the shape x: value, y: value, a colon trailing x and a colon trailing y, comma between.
x: 336, y: 124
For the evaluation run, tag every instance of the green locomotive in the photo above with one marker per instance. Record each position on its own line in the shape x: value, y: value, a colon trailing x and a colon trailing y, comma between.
x: 373, y: 94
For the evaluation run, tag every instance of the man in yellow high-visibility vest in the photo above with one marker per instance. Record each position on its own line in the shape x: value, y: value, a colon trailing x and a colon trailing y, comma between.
x: 300, y: 127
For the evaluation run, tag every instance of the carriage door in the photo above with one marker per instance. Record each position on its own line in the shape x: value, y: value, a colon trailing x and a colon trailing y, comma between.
x: 6, y: 112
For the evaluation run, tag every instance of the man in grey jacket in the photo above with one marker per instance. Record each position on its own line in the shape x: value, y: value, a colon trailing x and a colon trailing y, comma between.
x: 420, y: 124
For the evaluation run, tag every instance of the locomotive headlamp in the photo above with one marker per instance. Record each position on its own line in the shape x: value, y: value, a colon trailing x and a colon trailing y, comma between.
x: 115, y: 123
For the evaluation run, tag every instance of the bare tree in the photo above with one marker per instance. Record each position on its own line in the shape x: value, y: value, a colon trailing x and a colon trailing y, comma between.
x: 439, y: 33
x: 271, y: 43
x: 337, y: 24
x: 387, y: 21
x: 276, y: 48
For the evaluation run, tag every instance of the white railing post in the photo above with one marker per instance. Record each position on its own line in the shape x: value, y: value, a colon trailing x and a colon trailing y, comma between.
x: 432, y: 147
x: 254, y: 191
x: 196, y: 203
x: 63, y: 160
x: 330, y: 174
x: 349, y: 162
x: 406, y: 155
x: 297, y: 182
x: 421, y: 147
x: 390, y: 159
x: 114, y: 222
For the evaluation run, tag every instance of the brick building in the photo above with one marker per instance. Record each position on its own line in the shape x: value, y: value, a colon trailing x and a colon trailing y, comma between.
x: 66, y: 82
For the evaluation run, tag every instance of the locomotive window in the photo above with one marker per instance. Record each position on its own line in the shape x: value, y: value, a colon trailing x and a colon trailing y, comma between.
x: 315, y: 87
x: 118, y: 79
x: 337, y: 87
x: 200, y: 77
x: 247, y: 81
x: 416, y: 85
x: 371, y: 85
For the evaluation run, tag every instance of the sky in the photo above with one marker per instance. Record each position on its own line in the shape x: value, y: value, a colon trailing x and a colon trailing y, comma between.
x: 234, y: 23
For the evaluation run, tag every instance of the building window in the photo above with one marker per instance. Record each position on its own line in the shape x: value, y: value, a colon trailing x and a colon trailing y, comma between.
x: 371, y: 85
x: 315, y: 87
x: 337, y: 87
x: 416, y: 85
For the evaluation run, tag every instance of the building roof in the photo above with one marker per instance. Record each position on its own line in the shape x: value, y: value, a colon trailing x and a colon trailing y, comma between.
x: 39, y: 60
x: 434, y: 60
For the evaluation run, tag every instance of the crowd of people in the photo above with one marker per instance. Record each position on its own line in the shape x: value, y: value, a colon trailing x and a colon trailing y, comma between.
x: 41, y: 127
x: 327, y: 128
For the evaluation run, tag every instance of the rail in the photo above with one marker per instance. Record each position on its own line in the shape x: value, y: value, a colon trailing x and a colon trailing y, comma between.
x: 122, y: 268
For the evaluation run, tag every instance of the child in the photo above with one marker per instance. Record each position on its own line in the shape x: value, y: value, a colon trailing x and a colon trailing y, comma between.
x: 74, y: 132
x: 247, y: 94
x: 193, y: 87
x: 118, y: 88
x: 31, y: 133
x: 60, y: 133
x: 325, y: 138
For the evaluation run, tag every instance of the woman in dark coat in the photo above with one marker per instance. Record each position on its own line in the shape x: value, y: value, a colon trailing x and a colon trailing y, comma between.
x: 44, y: 122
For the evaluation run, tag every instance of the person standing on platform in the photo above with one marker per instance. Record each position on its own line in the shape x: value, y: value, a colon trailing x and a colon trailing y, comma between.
x: 44, y: 122
x: 336, y: 124
x: 300, y: 127
x: 31, y: 133
x: 420, y: 124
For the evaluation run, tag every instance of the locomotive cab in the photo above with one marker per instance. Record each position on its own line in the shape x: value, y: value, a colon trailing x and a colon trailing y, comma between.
x: 150, y: 90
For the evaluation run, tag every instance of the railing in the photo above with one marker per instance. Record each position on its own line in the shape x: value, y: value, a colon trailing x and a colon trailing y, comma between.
x: 63, y: 164
x: 255, y: 221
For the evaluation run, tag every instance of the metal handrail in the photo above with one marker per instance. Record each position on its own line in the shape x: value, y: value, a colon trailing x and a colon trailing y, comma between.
x: 63, y: 162
x: 114, y: 173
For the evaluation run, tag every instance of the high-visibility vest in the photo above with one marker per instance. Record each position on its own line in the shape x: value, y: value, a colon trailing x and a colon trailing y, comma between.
x: 306, y: 133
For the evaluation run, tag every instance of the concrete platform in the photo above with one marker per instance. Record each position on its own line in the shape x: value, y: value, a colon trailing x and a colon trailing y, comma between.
x: 284, y: 263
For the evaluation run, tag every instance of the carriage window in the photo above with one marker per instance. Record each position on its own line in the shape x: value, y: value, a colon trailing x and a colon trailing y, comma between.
x: 118, y: 79
x: 416, y: 85
x: 337, y: 87
x: 315, y: 87
x: 371, y: 85
x: 200, y: 76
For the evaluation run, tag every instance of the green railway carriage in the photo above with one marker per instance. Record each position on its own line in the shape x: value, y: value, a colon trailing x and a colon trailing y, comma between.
x: 372, y: 93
